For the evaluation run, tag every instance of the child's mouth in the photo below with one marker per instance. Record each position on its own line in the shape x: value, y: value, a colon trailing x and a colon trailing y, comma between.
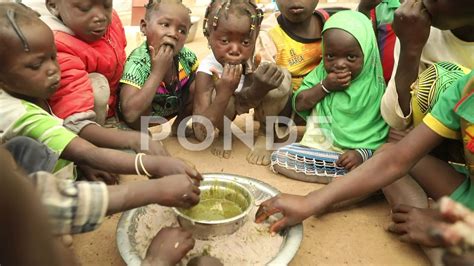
x: 296, y: 10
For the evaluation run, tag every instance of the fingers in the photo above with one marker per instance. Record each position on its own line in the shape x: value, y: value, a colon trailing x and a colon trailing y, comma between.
x: 279, y: 225
x: 397, y: 228
x: 109, y: 179
x: 402, y: 208
x: 399, y: 217
x: 265, y: 210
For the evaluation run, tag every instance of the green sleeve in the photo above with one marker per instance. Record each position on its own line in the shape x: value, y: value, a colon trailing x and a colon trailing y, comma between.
x: 308, y: 82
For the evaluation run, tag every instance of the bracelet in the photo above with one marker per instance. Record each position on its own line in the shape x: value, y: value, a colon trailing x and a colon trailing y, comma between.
x: 324, y: 87
x: 139, y: 159
x: 142, y: 165
x: 136, y: 164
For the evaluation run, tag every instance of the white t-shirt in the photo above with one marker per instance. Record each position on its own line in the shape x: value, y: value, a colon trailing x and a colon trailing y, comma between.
x: 441, y: 46
x: 210, y: 62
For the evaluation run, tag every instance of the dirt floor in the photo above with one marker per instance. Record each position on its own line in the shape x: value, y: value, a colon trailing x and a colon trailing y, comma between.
x: 351, y: 236
x: 354, y: 235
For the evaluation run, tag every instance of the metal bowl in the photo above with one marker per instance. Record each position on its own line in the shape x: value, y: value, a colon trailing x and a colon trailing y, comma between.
x: 292, y: 237
x: 218, y: 188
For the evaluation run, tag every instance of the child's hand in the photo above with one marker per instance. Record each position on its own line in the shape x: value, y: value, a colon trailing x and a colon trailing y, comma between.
x: 167, y: 165
x: 91, y: 174
x: 411, y: 24
x: 229, y: 81
x: 161, y: 60
x: 178, y: 191
x: 169, y: 246
x: 366, y: 5
x: 268, y: 75
x: 350, y: 160
x: 337, y: 81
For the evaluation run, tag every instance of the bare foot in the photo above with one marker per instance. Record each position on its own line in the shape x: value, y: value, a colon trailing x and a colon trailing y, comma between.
x: 218, y: 150
x: 414, y: 225
x: 259, y: 154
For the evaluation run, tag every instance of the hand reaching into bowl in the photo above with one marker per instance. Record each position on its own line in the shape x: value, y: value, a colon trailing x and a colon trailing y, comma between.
x: 169, y: 246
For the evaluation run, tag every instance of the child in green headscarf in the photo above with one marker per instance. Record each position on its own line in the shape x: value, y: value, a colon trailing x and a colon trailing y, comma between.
x: 340, y: 99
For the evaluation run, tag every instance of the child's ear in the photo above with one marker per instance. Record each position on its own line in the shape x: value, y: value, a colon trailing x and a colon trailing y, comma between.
x: 52, y: 7
x: 143, y: 26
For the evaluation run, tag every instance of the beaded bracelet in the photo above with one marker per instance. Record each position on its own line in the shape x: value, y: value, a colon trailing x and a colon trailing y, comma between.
x: 324, y: 88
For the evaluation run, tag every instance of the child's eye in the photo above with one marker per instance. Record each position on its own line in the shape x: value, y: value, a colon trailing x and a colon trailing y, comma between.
x: 246, y: 42
x: 351, y: 58
x: 224, y: 41
x: 329, y: 56
x: 164, y: 24
x: 183, y: 31
x: 85, y: 8
x: 35, y: 66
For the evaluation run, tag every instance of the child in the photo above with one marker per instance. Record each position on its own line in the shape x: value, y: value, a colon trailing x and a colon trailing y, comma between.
x: 71, y: 208
x: 381, y: 13
x: 342, y: 95
x: 292, y: 38
x: 90, y: 41
x: 158, y: 76
x: 450, y: 118
x: 418, y: 47
x: 231, y: 28
x: 29, y: 74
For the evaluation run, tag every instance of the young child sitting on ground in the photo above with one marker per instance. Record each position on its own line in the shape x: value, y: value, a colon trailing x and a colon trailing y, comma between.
x: 292, y: 38
x: 227, y: 85
x: 29, y: 74
x: 451, y: 117
x: 90, y: 42
x: 340, y: 100
x: 158, y: 76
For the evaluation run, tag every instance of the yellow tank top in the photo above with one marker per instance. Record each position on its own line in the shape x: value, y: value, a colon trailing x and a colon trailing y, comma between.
x: 298, y: 55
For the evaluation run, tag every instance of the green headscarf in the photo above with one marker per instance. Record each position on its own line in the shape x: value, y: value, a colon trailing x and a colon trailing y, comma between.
x: 354, y: 114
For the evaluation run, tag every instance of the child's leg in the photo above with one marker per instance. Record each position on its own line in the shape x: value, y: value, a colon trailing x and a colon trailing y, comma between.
x: 272, y: 104
x: 31, y: 155
x: 101, y: 89
x: 218, y: 146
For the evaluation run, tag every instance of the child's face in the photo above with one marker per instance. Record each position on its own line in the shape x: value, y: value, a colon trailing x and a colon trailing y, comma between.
x: 88, y: 19
x: 342, y: 53
x: 169, y: 25
x: 450, y: 14
x: 34, y: 74
x: 297, y: 11
x: 231, y: 42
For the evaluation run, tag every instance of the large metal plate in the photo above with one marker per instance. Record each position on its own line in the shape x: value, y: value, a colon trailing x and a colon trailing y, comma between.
x: 261, y: 191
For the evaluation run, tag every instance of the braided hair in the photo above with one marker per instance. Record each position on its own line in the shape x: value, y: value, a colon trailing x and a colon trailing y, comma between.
x: 153, y: 5
x: 219, y: 8
x: 12, y: 16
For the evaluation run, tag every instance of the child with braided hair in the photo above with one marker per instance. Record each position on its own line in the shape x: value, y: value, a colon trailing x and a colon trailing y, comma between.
x: 159, y: 74
x: 229, y: 82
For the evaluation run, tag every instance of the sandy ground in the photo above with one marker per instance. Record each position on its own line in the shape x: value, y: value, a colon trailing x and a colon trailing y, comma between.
x: 354, y: 235
x: 351, y: 236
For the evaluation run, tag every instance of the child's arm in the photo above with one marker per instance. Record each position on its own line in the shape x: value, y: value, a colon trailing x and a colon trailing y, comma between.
x: 214, y: 109
x: 385, y: 167
x: 366, y: 5
x: 82, y: 152
x: 137, y: 102
x: 172, y: 191
x: 412, y: 27
x: 120, y: 139
x: 307, y: 99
